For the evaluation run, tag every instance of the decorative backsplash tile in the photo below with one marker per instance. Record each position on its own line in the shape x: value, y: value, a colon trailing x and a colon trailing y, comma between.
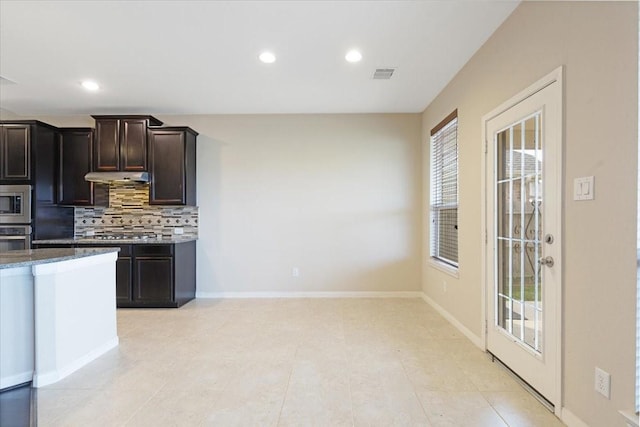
x: 101, y: 194
x: 129, y: 212
x: 128, y: 196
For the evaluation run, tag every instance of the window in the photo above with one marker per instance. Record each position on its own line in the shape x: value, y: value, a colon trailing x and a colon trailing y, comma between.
x: 444, y: 191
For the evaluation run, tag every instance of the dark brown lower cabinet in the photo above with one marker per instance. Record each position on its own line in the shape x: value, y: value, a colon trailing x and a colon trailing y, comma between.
x: 154, y: 279
x: 151, y: 275
x: 162, y: 275
x: 124, y: 270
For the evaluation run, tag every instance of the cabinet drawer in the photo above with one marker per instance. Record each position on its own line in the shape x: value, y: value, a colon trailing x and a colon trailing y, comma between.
x: 125, y: 250
x: 153, y: 250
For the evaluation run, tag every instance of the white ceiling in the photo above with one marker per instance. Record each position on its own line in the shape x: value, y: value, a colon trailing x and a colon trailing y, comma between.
x: 200, y: 57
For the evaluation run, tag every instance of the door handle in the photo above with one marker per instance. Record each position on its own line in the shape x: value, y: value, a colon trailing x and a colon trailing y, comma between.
x: 548, y: 261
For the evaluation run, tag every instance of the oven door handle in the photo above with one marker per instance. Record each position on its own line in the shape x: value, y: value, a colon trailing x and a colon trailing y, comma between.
x: 14, y: 237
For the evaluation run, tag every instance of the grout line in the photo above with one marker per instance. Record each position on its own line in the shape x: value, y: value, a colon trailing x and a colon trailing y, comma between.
x: 348, y: 364
x: 286, y: 390
x: 139, y: 408
x: 415, y: 393
x: 495, y: 410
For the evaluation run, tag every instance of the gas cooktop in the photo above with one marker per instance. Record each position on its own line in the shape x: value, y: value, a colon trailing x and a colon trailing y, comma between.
x: 130, y: 236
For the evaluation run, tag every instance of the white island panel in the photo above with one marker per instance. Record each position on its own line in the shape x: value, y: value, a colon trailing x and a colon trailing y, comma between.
x: 75, y: 315
x: 16, y: 326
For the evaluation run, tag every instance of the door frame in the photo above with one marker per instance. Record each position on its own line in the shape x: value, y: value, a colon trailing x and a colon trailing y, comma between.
x: 556, y: 76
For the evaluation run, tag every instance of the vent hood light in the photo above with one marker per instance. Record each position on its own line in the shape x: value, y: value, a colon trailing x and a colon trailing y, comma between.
x: 109, y: 177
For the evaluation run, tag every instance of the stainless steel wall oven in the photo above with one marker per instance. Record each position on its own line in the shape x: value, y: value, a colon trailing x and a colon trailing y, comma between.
x: 15, y: 237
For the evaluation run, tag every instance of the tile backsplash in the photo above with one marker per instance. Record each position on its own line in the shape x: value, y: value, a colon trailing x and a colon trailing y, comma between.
x: 128, y: 211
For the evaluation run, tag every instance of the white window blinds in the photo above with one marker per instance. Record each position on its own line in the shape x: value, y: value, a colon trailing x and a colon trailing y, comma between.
x: 444, y: 190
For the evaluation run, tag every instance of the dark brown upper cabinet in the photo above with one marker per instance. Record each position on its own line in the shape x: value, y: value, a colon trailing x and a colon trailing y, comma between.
x: 15, y: 147
x: 172, y: 166
x: 28, y: 153
x: 75, y: 156
x: 121, y: 142
x: 27, y: 156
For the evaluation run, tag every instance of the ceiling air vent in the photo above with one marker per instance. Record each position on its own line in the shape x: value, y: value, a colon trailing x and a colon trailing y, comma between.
x: 383, y: 73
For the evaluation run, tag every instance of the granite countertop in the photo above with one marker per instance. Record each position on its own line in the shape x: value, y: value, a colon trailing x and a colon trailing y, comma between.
x: 27, y: 258
x: 100, y: 242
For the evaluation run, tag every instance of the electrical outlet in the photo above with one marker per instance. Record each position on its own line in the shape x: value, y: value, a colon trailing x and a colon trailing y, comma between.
x: 603, y: 383
x: 295, y: 272
x: 178, y: 230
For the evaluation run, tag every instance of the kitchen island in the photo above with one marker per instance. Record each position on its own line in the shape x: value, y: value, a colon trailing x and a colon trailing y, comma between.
x: 57, y: 312
x: 150, y: 272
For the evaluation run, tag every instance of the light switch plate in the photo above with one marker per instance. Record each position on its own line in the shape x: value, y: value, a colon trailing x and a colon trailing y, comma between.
x: 583, y: 188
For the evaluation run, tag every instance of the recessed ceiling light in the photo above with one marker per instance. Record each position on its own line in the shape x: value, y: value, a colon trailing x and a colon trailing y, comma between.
x: 353, y: 56
x: 267, y: 57
x: 90, y: 85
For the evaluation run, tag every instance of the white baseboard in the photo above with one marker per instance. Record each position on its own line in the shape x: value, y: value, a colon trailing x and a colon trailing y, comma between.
x: 364, y: 294
x: 455, y: 322
x: 571, y: 420
x: 13, y: 380
x: 46, y: 378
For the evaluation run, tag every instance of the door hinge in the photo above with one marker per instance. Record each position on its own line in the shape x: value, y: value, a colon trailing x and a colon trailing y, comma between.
x: 486, y: 144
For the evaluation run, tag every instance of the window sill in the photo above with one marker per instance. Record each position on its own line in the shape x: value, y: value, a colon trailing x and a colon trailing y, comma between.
x: 445, y: 268
x: 630, y: 418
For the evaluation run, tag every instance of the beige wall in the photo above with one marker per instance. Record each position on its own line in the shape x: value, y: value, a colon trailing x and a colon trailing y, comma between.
x: 598, y: 45
x: 337, y: 196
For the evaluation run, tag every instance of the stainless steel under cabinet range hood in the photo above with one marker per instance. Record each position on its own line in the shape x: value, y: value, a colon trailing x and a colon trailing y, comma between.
x: 108, y: 177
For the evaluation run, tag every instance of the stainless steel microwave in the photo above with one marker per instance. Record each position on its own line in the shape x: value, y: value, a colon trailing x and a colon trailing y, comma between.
x: 15, y: 204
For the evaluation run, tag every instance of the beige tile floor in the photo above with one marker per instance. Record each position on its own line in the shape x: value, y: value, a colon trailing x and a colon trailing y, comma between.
x: 290, y: 362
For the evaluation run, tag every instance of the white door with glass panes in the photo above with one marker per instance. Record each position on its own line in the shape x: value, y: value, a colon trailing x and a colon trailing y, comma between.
x: 523, y: 218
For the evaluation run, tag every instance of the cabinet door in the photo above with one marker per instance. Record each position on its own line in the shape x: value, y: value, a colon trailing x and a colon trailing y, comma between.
x: 15, y: 145
x: 154, y: 279
x: 123, y: 279
x: 76, y: 156
x: 133, y: 145
x: 107, y: 145
x: 166, y: 166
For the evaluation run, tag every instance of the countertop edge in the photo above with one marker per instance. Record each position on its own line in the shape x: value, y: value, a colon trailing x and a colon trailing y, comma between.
x: 114, y: 242
x: 19, y: 259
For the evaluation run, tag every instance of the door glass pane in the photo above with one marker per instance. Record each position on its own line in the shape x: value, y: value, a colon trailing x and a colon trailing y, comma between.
x: 503, y: 227
x: 505, y: 278
x: 503, y: 142
x: 518, y: 190
x: 503, y: 315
